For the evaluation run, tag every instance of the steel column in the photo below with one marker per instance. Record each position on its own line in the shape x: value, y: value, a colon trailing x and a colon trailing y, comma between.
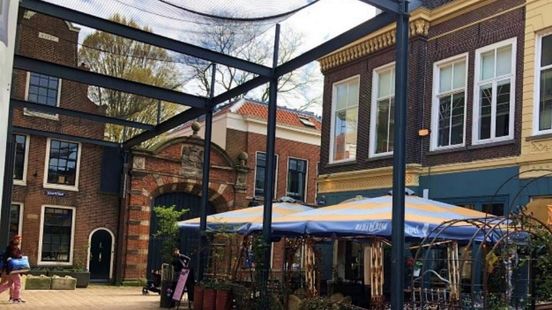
x: 399, y: 159
x: 8, y: 183
x: 201, y: 254
x: 269, y: 173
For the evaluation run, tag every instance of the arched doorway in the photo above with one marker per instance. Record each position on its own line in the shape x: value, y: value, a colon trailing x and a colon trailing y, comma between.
x: 100, y: 258
x: 189, y: 240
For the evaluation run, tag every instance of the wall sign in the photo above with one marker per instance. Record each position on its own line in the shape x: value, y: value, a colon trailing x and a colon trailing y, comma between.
x: 55, y: 193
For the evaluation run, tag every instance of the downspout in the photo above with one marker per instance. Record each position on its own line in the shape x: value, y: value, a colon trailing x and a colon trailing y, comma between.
x: 121, y: 229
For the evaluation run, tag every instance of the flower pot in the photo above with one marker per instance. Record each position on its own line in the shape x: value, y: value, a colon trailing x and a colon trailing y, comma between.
x: 209, y: 299
x: 224, y: 300
x: 83, y: 278
x: 198, y: 297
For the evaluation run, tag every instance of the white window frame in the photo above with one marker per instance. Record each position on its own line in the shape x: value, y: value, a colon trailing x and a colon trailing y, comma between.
x: 28, y: 112
x: 41, y: 232
x: 435, y: 100
x: 74, y: 188
x: 332, y: 127
x: 305, y: 197
x: 23, y: 182
x: 476, y: 85
x: 536, y: 95
x: 275, y: 174
x: 21, y: 208
x: 373, y: 109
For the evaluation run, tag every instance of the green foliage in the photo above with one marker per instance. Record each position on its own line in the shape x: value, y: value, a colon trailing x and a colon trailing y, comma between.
x: 167, y: 229
x: 323, y: 303
x: 542, y: 251
x: 136, y: 61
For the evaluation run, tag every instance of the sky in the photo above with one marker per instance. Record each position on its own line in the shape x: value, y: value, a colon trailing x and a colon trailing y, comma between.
x: 318, y: 23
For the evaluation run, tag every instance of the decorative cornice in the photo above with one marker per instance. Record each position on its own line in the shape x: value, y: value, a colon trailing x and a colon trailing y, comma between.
x: 418, y: 27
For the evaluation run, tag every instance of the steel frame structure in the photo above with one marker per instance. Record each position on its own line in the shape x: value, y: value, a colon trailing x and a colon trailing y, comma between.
x: 392, y: 11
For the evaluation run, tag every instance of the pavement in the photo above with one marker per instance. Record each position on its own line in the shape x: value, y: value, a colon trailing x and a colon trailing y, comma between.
x: 94, y: 297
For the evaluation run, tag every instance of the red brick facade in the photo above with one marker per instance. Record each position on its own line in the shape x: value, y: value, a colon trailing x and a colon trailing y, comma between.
x: 53, y: 40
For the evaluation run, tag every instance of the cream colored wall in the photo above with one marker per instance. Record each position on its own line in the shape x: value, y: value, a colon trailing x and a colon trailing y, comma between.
x: 6, y: 64
x: 535, y: 153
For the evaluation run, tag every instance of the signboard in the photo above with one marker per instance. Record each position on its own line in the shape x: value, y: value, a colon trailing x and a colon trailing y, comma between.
x: 55, y: 193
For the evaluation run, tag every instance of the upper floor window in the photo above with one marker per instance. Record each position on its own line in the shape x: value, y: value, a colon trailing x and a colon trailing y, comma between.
x: 62, y: 170
x: 543, y: 111
x: 449, y: 103
x: 43, y: 89
x: 20, y: 162
x: 382, y: 111
x: 343, y: 144
x: 260, y: 170
x: 494, y: 98
x: 297, y: 176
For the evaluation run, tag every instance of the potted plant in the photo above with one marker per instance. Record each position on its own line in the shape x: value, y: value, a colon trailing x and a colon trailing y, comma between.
x: 79, y: 270
x: 209, y: 295
x: 167, y: 233
x: 224, y: 296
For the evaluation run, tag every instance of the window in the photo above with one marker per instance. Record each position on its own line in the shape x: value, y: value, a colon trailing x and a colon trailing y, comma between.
x: 20, y: 161
x: 449, y: 103
x: 494, y: 92
x: 56, y: 235
x: 382, y: 111
x: 16, y: 217
x: 43, y: 89
x: 543, y: 84
x: 343, y: 144
x: 62, y: 170
x: 260, y: 169
x: 297, y: 173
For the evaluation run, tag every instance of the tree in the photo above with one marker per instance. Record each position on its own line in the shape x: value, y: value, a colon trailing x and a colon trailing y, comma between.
x: 167, y: 229
x: 124, y: 58
x: 248, y: 42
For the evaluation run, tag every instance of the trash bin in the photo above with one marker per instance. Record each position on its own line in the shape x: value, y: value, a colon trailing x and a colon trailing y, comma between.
x: 167, y: 286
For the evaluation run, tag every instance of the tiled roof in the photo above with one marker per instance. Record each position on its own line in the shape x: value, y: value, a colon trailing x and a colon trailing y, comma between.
x: 283, y: 116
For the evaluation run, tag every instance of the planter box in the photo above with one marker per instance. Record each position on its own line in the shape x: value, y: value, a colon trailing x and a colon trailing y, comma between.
x: 64, y: 283
x: 224, y: 300
x: 38, y: 282
x: 544, y: 306
x: 198, y: 297
x: 209, y: 299
x: 83, y: 278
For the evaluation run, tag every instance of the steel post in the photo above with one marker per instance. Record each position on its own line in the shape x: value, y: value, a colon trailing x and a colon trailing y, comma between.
x: 8, y: 182
x: 399, y: 159
x: 201, y: 254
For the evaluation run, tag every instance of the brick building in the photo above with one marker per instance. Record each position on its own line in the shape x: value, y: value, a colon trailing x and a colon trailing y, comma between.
x: 58, y: 204
x: 471, y: 130
x: 170, y: 174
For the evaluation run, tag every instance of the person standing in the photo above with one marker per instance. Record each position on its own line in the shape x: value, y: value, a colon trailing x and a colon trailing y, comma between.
x: 13, y: 251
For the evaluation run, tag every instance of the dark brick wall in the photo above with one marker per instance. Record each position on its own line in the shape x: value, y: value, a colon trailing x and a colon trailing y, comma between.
x: 93, y: 208
x: 423, y: 52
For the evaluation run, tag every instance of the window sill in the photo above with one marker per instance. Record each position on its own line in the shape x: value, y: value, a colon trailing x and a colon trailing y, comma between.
x: 340, y: 163
x: 542, y: 136
x: 19, y: 182
x: 379, y: 157
x: 53, y: 117
x: 54, y: 263
x: 61, y: 187
x: 447, y: 150
x: 491, y: 144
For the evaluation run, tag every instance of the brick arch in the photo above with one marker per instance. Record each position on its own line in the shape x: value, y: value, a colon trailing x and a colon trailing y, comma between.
x: 220, y: 195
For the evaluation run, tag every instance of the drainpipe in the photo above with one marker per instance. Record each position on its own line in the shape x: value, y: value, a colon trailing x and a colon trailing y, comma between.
x: 121, y: 229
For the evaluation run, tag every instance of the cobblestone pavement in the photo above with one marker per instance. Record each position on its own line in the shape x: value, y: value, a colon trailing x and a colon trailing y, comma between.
x: 94, y: 297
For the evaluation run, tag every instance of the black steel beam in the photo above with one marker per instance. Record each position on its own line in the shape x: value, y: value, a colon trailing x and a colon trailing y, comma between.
x: 165, y: 126
x: 62, y: 136
x: 391, y: 6
x: 106, y: 81
x: 80, y: 114
x: 203, y: 251
x: 143, y: 36
x: 399, y: 159
x: 239, y: 90
x: 8, y: 183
